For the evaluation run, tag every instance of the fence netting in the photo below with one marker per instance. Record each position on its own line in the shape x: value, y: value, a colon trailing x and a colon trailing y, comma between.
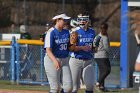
x: 5, y: 59
x: 29, y: 65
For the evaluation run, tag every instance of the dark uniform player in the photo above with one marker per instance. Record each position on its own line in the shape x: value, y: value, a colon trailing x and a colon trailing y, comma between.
x: 24, y: 33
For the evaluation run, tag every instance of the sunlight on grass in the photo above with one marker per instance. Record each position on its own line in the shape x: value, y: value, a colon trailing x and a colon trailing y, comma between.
x: 8, y: 85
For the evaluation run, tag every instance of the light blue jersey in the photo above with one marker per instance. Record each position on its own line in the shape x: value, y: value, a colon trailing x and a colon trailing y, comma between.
x: 58, y: 42
x: 84, y: 38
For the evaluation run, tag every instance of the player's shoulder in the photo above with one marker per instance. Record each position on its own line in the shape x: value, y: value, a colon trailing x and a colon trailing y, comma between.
x: 66, y: 31
x: 98, y: 35
x: 51, y: 29
x: 77, y: 28
x: 90, y: 28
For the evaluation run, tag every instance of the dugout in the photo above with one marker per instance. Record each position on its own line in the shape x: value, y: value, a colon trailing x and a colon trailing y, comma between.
x: 129, y: 48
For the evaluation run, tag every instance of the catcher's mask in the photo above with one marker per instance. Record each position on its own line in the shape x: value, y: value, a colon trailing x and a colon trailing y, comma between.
x: 83, y: 20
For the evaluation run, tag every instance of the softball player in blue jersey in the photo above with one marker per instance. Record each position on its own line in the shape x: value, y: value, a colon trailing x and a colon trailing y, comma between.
x: 56, y: 60
x: 81, y: 57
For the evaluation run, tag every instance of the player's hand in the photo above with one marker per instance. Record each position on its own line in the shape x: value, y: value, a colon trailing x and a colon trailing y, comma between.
x: 57, y: 65
x: 86, y: 48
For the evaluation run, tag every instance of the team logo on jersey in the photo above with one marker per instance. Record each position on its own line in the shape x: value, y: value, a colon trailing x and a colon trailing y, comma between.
x: 86, y: 39
x: 60, y: 41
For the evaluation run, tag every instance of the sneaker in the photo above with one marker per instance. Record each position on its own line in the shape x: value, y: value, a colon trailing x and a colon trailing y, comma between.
x: 97, y: 84
x: 97, y: 87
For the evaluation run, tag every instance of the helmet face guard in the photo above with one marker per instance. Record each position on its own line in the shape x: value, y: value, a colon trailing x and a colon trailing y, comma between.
x: 83, y: 20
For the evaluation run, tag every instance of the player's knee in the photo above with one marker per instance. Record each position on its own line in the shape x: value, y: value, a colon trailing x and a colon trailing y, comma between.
x: 68, y: 88
x: 55, y: 90
x: 75, y: 89
x: 107, y: 72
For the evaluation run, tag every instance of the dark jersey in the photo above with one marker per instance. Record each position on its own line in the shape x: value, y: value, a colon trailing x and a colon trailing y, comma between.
x: 25, y: 36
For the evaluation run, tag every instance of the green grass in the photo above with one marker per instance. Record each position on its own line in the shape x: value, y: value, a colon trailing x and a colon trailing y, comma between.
x: 8, y: 85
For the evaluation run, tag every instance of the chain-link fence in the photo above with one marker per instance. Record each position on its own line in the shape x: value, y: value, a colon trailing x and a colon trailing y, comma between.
x: 114, y: 57
x: 30, y: 66
x: 5, y: 60
x: 26, y: 65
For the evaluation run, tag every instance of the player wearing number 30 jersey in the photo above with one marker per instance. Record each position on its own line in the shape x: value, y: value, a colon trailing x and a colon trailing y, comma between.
x: 56, y: 61
x: 58, y: 42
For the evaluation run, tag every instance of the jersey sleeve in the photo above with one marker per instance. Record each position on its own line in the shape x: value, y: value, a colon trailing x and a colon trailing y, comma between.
x: 48, y: 40
x: 106, y: 44
x: 96, y: 41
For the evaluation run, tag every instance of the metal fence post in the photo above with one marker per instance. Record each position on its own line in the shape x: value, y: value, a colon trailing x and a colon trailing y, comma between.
x: 12, y: 65
x: 17, y: 63
x: 41, y: 63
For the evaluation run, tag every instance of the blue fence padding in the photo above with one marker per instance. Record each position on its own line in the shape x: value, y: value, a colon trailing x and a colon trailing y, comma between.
x: 124, y: 45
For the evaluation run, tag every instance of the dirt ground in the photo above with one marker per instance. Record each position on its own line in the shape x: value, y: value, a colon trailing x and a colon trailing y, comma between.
x: 20, y: 91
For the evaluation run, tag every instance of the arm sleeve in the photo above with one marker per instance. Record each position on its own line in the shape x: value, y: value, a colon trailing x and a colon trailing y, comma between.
x: 48, y: 40
x: 106, y: 44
